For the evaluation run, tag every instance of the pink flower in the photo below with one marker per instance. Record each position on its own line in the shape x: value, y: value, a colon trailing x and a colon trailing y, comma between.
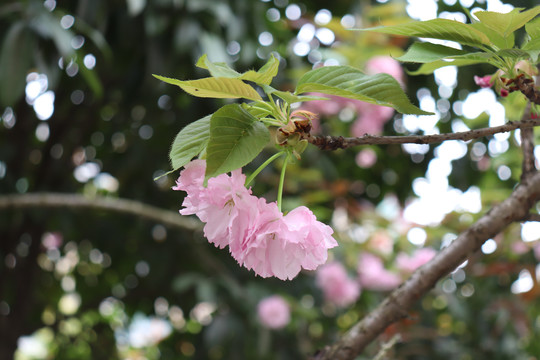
x: 373, y: 276
x: 484, y: 81
x: 409, y: 264
x: 274, y: 312
x: 283, y: 246
x: 504, y: 92
x: 191, y: 181
x: 336, y: 285
x: 258, y: 235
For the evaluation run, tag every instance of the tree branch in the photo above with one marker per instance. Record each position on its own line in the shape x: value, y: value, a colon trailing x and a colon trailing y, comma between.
x: 527, y: 147
x: 339, y: 142
x: 396, y: 305
x: 531, y: 217
x: 132, y: 207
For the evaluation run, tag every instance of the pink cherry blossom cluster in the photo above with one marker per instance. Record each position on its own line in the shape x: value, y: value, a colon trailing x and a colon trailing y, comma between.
x: 259, y: 236
x: 274, y: 312
x: 336, y: 285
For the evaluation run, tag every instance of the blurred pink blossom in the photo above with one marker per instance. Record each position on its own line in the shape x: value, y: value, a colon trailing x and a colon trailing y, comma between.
x: 52, y: 240
x: 366, y: 158
x: 385, y: 64
x: 336, y: 285
x: 258, y: 235
x: 381, y: 242
x: 274, y: 312
x: 370, y: 117
x: 373, y: 276
x: 484, y: 81
x: 408, y: 264
x: 519, y: 247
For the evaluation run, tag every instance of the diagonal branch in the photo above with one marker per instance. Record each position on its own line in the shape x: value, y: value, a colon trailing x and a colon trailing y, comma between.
x: 339, y: 142
x: 73, y: 201
x: 396, y: 305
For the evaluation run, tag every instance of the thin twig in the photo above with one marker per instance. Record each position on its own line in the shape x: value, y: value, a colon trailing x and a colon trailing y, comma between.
x: 395, y: 306
x: 339, y: 142
x: 73, y: 201
x: 387, y: 346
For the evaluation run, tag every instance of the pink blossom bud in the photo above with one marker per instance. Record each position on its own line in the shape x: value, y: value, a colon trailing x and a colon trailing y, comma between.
x: 504, y: 92
x: 274, y: 312
x: 484, y: 81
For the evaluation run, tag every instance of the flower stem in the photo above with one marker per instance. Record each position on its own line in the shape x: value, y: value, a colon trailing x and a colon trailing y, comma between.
x: 282, y: 180
x: 259, y: 169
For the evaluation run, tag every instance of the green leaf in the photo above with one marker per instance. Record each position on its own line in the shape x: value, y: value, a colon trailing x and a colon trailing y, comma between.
x: 533, y: 28
x: 262, y: 77
x: 15, y: 62
x: 236, y: 138
x: 289, y: 97
x: 223, y: 88
x: 443, y: 29
x: 265, y: 74
x: 422, y: 52
x: 534, y: 54
x: 91, y: 77
x: 513, y: 53
x: 496, y: 39
x: 218, y: 69
x: 533, y: 44
x: 190, y: 142
x: 506, y: 24
x: 345, y: 81
x: 470, y: 59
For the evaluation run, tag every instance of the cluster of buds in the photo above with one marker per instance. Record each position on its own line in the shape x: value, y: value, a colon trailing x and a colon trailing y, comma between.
x: 296, y: 132
x: 523, y: 82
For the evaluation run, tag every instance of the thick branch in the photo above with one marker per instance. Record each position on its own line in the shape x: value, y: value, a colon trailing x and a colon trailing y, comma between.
x: 339, y: 142
x: 527, y: 147
x: 531, y: 217
x: 132, y: 207
x: 396, y: 305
